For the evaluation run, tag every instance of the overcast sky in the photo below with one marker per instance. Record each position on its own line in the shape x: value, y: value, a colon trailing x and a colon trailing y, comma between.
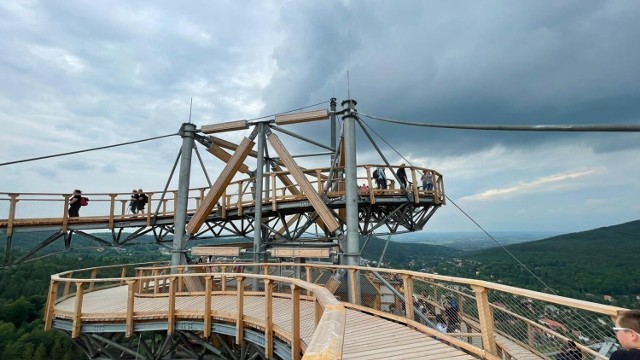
x: 80, y: 74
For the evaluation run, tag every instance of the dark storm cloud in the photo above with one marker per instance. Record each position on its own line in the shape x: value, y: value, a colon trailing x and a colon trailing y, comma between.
x: 490, y: 62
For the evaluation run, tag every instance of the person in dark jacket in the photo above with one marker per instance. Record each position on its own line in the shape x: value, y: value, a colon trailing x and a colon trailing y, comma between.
x: 142, y: 201
x: 75, y: 203
x: 402, y: 176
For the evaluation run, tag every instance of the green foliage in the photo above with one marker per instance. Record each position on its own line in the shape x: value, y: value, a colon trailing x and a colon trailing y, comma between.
x: 586, y: 264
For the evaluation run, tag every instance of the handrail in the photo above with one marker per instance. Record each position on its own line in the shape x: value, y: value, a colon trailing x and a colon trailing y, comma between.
x: 113, y: 207
x: 485, y: 318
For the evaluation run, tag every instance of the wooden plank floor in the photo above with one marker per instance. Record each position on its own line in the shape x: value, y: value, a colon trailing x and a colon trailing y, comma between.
x: 366, y: 336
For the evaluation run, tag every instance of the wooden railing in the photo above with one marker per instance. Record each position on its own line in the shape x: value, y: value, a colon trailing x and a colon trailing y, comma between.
x: 25, y: 209
x: 496, y: 321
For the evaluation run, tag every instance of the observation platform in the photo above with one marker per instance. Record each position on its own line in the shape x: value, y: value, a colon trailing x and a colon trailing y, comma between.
x: 288, y: 209
x: 266, y: 311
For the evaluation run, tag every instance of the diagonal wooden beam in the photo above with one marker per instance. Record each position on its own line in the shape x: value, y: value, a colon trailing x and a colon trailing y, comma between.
x: 219, y: 187
x: 221, y: 154
x: 307, y: 189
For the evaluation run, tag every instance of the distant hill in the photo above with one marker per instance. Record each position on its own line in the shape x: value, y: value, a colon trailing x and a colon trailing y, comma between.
x: 402, y: 252
x: 600, y: 261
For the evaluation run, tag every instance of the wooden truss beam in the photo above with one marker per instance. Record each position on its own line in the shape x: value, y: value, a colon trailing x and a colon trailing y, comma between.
x: 221, y: 154
x: 307, y: 189
x: 219, y: 187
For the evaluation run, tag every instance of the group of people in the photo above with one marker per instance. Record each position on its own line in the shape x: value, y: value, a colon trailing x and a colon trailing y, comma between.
x: 138, y: 201
x: 381, y: 179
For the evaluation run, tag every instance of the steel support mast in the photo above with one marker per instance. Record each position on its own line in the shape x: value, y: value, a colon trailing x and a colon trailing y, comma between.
x: 187, y: 131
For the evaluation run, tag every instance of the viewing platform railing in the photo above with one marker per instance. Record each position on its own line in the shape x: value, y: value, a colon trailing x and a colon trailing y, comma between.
x: 24, y: 209
x: 494, y: 320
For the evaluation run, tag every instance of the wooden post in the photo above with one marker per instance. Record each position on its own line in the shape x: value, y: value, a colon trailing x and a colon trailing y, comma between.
x: 123, y: 274
x: 149, y: 204
x: 408, y: 295
x: 318, y: 311
x: 416, y: 194
x: 223, y: 279
x: 180, y: 279
x: 131, y: 284
x: 372, y: 196
x: 171, y: 321
x: 531, y: 336
x: 208, y: 287
x: 13, y: 202
x: 353, y: 283
x: 65, y: 215
x: 124, y: 208
x: 268, y: 321
x: 77, y: 315
x: 308, y: 278
x: 295, y: 322
x: 240, y: 306
x: 239, y: 206
x: 51, y: 302
x: 175, y: 201
x: 67, y: 284
x: 274, y: 194
x: 112, y: 209
x: 485, y: 316
x: 93, y: 276
x: 224, y: 206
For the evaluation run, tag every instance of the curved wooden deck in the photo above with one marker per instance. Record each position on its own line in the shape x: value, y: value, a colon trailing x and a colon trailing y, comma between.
x: 365, y: 337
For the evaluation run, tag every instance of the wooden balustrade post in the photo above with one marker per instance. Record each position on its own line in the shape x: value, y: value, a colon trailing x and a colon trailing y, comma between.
x: 180, y: 279
x: 408, y: 295
x: 67, y: 284
x: 416, y: 193
x: 131, y: 286
x: 223, y: 211
x: 65, y: 214
x: 123, y: 274
x: 175, y: 201
x: 239, y: 205
x: 223, y: 279
x: 124, y: 208
x: 460, y: 304
x: 201, y: 197
x: 372, y: 196
x: 13, y: 202
x: 319, y: 177
x: 171, y: 317
x: 112, y: 209
x: 268, y: 321
x: 149, y: 205
x: 295, y: 322
x: 308, y: 278
x: 77, y: 314
x: 240, y: 307
x: 208, y: 288
x: 164, y: 206
x: 274, y: 193
x: 354, y: 285
x: 318, y: 311
x: 531, y: 336
x: 94, y: 272
x: 51, y: 302
x: 485, y: 316
x: 156, y: 281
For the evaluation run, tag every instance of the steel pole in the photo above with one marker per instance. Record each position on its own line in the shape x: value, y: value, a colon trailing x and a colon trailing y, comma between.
x: 257, y: 225
x: 332, y: 106
x: 352, y: 254
x: 187, y: 131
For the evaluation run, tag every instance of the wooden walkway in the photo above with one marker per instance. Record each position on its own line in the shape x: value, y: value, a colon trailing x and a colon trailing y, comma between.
x: 366, y: 336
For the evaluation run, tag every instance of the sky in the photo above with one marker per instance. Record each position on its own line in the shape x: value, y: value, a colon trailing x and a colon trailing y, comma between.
x: 83, y: 74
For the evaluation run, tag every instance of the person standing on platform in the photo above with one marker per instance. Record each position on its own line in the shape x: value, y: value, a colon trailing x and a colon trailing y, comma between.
x: 133, y: 204
x: 142, y: 201
x: 402, y: 176
x: 628, y: 333
x: 75, y: 203
x: 427, y: 180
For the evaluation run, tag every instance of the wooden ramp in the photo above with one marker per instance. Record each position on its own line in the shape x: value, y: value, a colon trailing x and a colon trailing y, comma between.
x: 366, y: 336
